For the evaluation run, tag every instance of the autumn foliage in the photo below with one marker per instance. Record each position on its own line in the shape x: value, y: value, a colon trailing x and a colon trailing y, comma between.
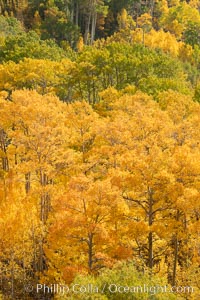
x: 81, y: 191
x: 99, y: 146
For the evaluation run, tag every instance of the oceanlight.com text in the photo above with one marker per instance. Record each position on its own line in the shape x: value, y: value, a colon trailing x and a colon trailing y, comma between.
x: 112, y: 288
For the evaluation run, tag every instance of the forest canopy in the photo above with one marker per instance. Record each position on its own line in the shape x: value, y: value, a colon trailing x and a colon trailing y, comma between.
x: 99, y: 147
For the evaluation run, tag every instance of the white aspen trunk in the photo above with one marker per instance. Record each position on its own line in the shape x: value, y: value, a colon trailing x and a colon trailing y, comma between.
x: 93, y: 29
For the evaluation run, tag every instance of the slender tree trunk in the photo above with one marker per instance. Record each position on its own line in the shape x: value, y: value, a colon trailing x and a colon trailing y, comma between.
x: 117, y: 77
x: 90, y: 251
x: 94, y: 92
x: 44, y: 212
x: 12, y: 276
x: 152, y: 3
x: 143, y: 36
x: 38, y: 265
x: 175, y: 260
x: 45, y: 199
x: 150, y: 237
x: 27, y: 182
x: 4, y: 159
x: 150, y: 241
x: 72, y: 13
x: 76, y: 14
x: 41, y: 261
x: 175, y: 253
x: 93, y: 29
x: 87, y: 28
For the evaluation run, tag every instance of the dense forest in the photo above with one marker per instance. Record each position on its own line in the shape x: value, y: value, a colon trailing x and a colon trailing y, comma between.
x: 99, y: 149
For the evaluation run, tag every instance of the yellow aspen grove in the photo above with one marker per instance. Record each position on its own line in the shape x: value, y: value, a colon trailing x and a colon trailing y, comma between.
x: 99, y: 150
